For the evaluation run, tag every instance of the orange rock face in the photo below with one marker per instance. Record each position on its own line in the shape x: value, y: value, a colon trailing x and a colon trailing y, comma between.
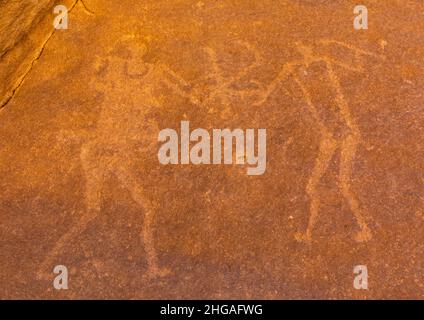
x: 81, y: 184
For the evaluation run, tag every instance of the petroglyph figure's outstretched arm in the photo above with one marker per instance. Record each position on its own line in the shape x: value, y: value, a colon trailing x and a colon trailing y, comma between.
x: 356, y: 50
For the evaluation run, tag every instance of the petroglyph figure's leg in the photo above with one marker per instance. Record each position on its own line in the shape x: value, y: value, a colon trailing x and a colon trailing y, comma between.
x: 347, y: 155
x: 93, y: 191
x: 326, y: 151
x: 139, y: 196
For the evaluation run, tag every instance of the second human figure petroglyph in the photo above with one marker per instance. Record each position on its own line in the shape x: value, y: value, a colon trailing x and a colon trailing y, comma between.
x: 347, y: 143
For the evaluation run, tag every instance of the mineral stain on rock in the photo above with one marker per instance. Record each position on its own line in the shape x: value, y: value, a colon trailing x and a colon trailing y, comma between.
x: 81, y: 184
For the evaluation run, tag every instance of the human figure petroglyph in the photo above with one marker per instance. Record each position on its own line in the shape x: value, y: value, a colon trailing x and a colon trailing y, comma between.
x: 329, y: 143
x: 109, y: 150
x: 123, y: 133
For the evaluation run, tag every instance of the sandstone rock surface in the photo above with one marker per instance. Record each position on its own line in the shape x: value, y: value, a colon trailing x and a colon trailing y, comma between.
x: 25, y: 27
x: 81, y: 184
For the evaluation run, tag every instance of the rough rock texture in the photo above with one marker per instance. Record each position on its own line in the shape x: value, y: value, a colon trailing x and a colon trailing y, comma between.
x: 25, y: 27
x: 81, y: 184
x: 18, y: 18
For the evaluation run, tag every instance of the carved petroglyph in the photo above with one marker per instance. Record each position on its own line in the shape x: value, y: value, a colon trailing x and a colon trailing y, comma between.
x: 420, y: 212
x: 329, y: 142
x: 224, y: 84
x: 115, y: 144
x: 110, y: 150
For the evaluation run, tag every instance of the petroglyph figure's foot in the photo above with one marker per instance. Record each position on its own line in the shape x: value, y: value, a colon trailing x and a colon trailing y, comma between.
x: 303, y: 237
x: 364, y: 235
